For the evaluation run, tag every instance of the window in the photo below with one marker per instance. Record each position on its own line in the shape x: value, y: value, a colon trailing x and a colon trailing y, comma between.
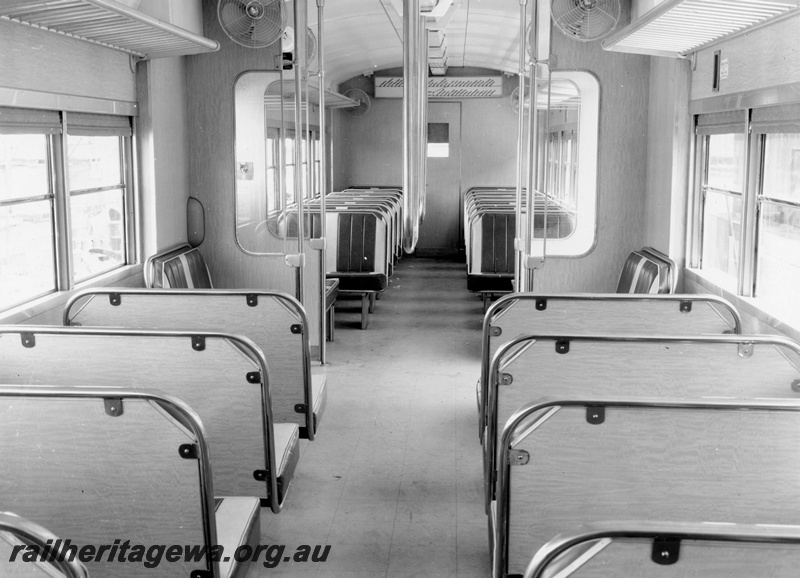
x: 63, y: 200
x: 778, y: 261
x: 27, y: 258
x: 438, y: 140
x: 747, y: 212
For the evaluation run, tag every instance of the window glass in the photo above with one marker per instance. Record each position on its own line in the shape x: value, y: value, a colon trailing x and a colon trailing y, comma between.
x: 96, y: 204
x: 778, y: 264
x: 27, y: 250
x: 94, y: 161
x: 27, y: 260
x: 23, y: 166
x: 726, y: 162
x: 722, y: 225
x: 722, y: 208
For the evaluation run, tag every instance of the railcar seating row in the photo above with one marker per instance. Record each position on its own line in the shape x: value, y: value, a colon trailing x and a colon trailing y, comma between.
x: 364, y: 240
x: 140, y: 368
x: 641, y: 409
x: 183, y: 267
x: 489, y: 233
x: 100, y: 464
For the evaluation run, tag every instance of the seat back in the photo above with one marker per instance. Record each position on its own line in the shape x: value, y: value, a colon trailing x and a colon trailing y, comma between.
x: 643, y: 366
x: 181, y: 268
x: 669, y: 549
x: 95, y: 464
x: 218, y: 375
x: 519, y: 314
x: 274, y: 321
x: 644, y: 273
x: 688, y: 460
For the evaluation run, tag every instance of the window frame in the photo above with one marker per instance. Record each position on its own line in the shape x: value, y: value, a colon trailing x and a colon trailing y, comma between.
x: 752, y: 195
x: 121, y: 126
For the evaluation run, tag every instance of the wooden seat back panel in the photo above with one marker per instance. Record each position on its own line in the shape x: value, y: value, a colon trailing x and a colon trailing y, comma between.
x: 212, y: 381
x: 694, y: 465
x: 269, y: 325
x: 91, y: 478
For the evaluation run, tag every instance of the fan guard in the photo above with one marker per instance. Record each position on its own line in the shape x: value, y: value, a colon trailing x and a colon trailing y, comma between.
x: 363, y: 99
x: 515, y: 99
x: 585, y: 20
x: 287, y: 43
x: 252, y: 23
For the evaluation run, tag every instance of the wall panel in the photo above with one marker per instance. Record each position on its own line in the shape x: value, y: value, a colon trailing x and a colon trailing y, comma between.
x: 36, y: 60
x: 209, y: 80
x: 768, y: 56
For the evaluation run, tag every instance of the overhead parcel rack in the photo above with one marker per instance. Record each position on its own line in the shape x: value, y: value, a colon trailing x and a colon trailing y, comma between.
x: 108, y: 23
x: 675, y: 28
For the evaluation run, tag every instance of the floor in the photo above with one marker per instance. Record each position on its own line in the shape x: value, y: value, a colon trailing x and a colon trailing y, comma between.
x: 393, y: 483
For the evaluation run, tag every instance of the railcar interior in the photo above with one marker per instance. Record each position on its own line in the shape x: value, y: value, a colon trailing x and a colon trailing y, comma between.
x: 310, y: 287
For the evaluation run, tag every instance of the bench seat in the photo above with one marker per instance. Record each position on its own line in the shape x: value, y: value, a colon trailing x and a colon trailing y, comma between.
x: 238, y: 522
x: 287, y: 454
x: 319, y: 393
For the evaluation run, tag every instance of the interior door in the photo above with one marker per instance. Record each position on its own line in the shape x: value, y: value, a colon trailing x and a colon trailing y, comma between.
x: 439, y: 234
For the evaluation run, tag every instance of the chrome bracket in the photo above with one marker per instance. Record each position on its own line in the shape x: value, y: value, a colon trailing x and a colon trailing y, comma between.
x: 252, y: 300
x: 541, y: 304
x: 518, y: 458
x: 562, y: 346
x: 796, y: 385
x: 686, y: 306
x: 188, y: 451
x: 296, y: 260
x: 133, y: 60
x: 495, y: 331
x: 505, y: 379
x: 296, y: 328
x: 198, y: 342
x: 113, y: 406
x: 28, y: 339
x: 595, y: 414
x: 115, y: 299
x: 746, y: 349
x: 253, y: 377
x: 666, y: 551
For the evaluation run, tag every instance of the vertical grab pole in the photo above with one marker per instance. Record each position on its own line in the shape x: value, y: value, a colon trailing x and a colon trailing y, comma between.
x: 423, y: 115
x: 323, y: 164
x: 299, y: 71
x: 411, y: 128
x: 519, y: 238
x: 540, y: 50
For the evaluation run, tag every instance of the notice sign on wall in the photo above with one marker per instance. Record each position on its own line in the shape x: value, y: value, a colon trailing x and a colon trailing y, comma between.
x: 444, y: 86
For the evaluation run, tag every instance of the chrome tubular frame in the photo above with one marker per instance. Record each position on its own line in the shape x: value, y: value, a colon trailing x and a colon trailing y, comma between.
x: 735, y: 533
x: 300, y: 66
x: 323, y: 188
x: 489, y: 393
x: 509, y: 300
x: 244, y: 344
x: 519, y: 233
x: 33, y: 533
x: 523, y: 416
x: 176, y: 407
x: 411, y: 127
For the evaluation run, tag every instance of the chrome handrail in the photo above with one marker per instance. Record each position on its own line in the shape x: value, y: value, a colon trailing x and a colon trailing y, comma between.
x: 176, y: 407
x: 734, y: 533
x: 522, y: 417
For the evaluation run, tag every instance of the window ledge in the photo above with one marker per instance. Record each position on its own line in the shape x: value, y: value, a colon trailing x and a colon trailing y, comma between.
x: 771, y: 314
x: 50, y: 306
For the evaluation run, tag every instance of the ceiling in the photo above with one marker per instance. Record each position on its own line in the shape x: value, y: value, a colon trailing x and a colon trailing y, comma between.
x: 362, y: 36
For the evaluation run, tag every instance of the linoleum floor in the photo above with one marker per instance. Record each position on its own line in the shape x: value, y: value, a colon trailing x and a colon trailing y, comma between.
x: 393, y: 483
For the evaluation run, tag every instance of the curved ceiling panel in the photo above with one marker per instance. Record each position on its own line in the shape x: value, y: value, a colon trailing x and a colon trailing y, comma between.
x: 361, y: 35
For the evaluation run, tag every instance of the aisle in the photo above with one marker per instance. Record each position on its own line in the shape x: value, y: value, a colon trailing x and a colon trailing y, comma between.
x: 394, y: 482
